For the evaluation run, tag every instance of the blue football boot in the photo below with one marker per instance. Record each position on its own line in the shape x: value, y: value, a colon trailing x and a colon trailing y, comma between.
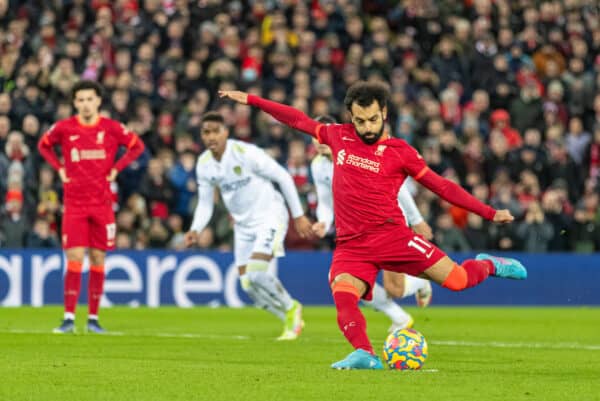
x: 359, y: 359
x: 67, y: 326
x: 505, y: 267
x: 94, y: 327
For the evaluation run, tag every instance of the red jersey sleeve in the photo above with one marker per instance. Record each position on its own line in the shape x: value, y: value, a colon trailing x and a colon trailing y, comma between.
x: 131, y: 141
x: 46, y: 145
x: 415, y: 166
x: 287, y: 115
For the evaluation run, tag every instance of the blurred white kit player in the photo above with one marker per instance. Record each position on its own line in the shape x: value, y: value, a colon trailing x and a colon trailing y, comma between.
x: 396, y: 285
x: 245, y: 175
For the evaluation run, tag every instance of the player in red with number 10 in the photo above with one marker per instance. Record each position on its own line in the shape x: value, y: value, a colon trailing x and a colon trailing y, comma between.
x: 369, y: 168
x: 89, y: 144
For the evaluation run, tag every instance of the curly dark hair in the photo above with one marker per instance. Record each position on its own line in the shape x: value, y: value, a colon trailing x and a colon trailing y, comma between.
x: 364, y: 93
x: 86, y: 84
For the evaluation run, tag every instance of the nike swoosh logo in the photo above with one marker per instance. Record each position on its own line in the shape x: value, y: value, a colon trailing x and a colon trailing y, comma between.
x: 345, y: 138
x: 73, y: 137
x: 429, y: 254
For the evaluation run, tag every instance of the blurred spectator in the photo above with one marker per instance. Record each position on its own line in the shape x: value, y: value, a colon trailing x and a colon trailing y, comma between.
x: 477, y: 233
x: 561, y: 222
x: 448, y: 237
x: 586, y: 228
x: 182, y: 177
x: 500, y: 120
x: 157, y: 189
x: 577, y: 140
x: 41, y: 236
x: 535, y: 233
x: 13, y: 222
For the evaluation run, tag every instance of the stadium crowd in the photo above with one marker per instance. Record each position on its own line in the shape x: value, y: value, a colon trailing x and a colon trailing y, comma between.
x: 500, y: 96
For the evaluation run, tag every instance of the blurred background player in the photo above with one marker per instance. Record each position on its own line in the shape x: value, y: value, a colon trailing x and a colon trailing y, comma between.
x: 244, y: 175
x: 395, y: 285
x: 369, y: 168
x: 89, y: 143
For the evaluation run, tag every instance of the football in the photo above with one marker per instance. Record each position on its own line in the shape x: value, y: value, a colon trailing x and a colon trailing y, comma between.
x: 405, y: 349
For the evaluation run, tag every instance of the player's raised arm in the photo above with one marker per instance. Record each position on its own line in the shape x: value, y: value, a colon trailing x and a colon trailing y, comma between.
x: 285, y: 114
x: 451, y: 192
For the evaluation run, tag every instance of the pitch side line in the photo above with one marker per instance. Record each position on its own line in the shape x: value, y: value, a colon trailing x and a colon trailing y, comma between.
x: 488, y: 344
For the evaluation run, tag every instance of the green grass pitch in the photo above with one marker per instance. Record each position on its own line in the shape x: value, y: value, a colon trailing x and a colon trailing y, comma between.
x: 230, y: 354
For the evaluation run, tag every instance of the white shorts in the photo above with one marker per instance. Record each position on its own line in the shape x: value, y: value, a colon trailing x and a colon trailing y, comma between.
x: 266, y: 238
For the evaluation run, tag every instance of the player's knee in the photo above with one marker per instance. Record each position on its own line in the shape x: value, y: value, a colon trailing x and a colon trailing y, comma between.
x: 456, y: 279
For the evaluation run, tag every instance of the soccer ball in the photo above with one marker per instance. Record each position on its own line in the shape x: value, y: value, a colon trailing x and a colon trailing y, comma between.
x: 405, y: 349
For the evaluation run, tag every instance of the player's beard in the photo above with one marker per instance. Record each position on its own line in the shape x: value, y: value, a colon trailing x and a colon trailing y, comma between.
x: 373, y: 139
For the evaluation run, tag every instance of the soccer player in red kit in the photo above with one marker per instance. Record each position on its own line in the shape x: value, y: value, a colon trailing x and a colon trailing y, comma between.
x: 89, y: 144
x: 369, y: 168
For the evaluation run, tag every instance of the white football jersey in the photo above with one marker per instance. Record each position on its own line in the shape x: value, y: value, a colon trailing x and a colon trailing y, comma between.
x: 244, y: 176
x: 322, y: 172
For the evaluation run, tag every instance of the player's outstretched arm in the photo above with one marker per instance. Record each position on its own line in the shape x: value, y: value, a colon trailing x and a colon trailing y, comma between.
x: 455, y: 194
x: 285, y: 114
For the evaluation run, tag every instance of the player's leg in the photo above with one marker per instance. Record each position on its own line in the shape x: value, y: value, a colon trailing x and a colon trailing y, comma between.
x: 347, y: 290
x: 268, y: 285
x: 95, y: 288
x: 472, y: 272
x: 75, y: 239
x: 384, y: 303
x: 417, y: 256
x: 268, y: 245
x: 261, y: 300
x: 254, y: 273
x: 103, y: 232
x: 400, y: 285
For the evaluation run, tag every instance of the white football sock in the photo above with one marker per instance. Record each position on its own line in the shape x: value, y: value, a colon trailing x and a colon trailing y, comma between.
x: 383, y: 303
x: 412, y: 284
x: 261, y: 300
x: 272, y: 287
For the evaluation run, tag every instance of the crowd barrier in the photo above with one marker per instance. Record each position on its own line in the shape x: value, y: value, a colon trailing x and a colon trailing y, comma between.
x: 186, y: 279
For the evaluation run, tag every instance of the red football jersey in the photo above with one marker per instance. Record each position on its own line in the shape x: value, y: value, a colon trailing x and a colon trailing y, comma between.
x: 89, y: 153
x: 367, y: 178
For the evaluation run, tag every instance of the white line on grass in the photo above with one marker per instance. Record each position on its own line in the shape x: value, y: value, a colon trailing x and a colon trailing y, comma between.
x: 453, y: 343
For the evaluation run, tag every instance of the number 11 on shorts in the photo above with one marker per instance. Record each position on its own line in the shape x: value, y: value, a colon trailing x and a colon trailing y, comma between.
x: 421, y: 245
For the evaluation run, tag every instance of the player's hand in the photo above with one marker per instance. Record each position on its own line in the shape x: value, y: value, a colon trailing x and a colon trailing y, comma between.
x: 303, y: 227
x: 190, y: 238
x: 112, y: 175
x: 319, y: 229
x: 503, y: 216
x: 237, y: 96
x: 63, y: 175
x: 424, y: 230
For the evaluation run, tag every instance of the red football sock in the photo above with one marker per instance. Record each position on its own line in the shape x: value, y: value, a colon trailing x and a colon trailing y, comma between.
x: 350, y: 319
x: 469, y: 274
x: 72, y: 285
x: 95, y: 289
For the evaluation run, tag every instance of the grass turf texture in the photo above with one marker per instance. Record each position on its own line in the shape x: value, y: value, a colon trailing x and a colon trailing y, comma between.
x: 230, y: 354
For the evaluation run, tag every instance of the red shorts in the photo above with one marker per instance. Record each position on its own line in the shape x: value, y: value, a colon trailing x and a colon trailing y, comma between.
x: 389, y: 247
x: 90, y: 227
